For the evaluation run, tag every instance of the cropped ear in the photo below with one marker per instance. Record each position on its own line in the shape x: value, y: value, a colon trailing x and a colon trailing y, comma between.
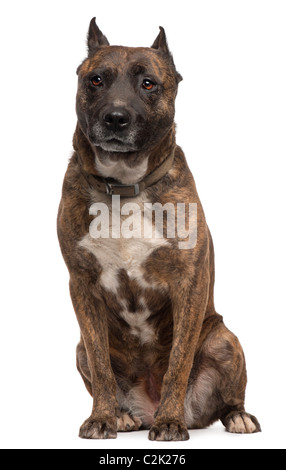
x: 179, y: 77
x: 95, y: 38
x: 161, y: 41
x: 161, y: 44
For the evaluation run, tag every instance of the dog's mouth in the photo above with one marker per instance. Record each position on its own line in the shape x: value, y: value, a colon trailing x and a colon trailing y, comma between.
x: 114, y: 145
x: 113, y: 141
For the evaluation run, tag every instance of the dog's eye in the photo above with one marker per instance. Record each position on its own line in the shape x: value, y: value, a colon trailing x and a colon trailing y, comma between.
x: 148, y: 84
x: 96, y: 81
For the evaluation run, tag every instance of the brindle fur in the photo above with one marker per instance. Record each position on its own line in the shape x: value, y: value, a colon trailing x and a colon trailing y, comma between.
x: 193, y: 370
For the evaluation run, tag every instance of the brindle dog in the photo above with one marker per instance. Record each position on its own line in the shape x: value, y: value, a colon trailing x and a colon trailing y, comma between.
x: 153, y: 352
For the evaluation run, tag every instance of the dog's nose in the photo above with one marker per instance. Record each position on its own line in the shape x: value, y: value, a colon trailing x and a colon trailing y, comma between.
x: 117, y: 120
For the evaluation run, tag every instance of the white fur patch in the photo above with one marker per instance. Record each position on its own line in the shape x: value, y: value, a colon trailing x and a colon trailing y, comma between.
x: 138, y: 323
x: 120, y: 171
x: 115, y: 254
x: 130, y: 254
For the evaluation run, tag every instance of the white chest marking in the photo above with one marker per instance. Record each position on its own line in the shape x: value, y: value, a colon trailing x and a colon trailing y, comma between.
x: 115, y: 254
x: 137, y: 321
x: 130, y: 254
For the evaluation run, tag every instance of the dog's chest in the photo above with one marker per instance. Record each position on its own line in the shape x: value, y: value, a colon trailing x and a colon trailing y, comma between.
x: 115, y: 255
x: 125, y: 258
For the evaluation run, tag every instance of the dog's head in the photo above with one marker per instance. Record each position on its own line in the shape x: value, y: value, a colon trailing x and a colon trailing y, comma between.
x: 125, y: 99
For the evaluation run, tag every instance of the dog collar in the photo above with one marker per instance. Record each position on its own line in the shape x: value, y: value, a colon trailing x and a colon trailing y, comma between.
x: 112, y: 187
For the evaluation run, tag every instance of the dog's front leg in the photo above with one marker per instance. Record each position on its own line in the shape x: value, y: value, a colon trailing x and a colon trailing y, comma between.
x: 189, y: 306
x: 93, y: 324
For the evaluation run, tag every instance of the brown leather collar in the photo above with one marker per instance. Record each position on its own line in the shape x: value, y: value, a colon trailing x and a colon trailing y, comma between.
x: 112, y: 187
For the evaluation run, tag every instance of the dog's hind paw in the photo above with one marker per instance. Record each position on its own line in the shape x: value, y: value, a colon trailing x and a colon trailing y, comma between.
x: 98, y: 428
x: 168, y: 432
x: 241, y: 422
x: 126, y: 422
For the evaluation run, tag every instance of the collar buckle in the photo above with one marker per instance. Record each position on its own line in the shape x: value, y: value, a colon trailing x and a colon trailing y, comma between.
x: 114, y: 188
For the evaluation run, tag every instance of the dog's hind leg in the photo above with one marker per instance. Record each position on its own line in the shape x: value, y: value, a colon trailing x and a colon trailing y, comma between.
x: 217, y: 382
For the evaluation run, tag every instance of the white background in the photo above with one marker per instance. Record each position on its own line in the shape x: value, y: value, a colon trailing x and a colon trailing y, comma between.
x: 231, y: 117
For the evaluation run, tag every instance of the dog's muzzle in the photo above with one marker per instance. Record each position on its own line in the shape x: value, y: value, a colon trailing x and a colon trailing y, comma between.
x: 115, y: 130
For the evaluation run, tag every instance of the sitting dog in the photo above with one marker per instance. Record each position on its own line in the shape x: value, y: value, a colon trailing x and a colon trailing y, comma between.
x: 153, y: 352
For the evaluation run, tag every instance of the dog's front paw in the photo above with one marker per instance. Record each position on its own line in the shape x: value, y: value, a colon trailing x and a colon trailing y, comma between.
x: 168, y: 431
x: 98, y: 428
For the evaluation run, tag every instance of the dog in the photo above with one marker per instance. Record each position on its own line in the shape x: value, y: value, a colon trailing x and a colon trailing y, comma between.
x: 153, y: 352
